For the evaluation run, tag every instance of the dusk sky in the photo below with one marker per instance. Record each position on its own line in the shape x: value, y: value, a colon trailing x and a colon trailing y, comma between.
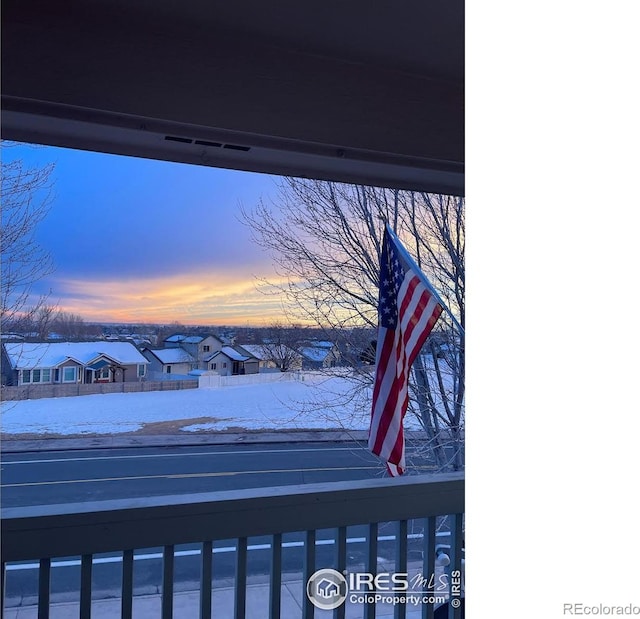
x: 137, y: 240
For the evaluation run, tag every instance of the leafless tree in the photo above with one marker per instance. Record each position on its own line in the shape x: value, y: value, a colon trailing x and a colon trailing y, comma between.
x: 70, y: 326
x: 42, y: 319
x: 27, y: 193
x: 325, y: 239
x: 280, y: 345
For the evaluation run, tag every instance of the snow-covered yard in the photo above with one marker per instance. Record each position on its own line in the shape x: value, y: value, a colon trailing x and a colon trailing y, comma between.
x: 316, y: 402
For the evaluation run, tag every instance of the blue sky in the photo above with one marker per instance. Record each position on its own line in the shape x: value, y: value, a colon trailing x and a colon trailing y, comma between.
x: 151, y: 241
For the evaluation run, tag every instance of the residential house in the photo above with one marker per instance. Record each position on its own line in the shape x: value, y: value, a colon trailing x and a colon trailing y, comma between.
x: 233, y: 360
x: 264, y: 362
x: 318, y: 355
x: 71, y: 363
x: 200, y: 347
x: 274, y: 356
x: 170, y: 360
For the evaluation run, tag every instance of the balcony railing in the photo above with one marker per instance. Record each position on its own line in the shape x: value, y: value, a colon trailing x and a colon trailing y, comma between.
x: 412, y: 510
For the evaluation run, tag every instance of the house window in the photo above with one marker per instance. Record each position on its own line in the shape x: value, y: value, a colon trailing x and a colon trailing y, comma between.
x: 35, y: 376
x: 46, y: 376
x: 104, y: 374
x: 168, y: 369
x: 214, y: 366
x: 206, y: 348
x: 69, y: 375
x: 224, y: 365
x: 26, y: 376
x: 142, y: 370
x: 56, y: 375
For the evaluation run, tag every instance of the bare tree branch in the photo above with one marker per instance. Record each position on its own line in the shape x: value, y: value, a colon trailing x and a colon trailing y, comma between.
x: 27, y: 194
x: 325, y: 240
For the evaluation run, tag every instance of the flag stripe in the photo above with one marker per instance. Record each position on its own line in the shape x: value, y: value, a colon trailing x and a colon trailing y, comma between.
x: 407, y: 312
x: 394, y: 439
x: 399, y: 388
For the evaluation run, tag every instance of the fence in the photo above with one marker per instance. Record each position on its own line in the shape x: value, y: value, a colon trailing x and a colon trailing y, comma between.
x: 164, y: 377
x: 35, y: 392
x: 213, y: 381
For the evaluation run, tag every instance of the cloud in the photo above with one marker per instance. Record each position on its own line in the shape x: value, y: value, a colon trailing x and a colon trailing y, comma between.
x: 190, y: 298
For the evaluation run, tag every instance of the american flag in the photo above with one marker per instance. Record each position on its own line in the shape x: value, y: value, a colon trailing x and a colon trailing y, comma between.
x: 407, y: 311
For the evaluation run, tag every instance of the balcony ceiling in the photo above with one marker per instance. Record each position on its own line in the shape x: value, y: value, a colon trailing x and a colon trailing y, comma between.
x: 355, y: 91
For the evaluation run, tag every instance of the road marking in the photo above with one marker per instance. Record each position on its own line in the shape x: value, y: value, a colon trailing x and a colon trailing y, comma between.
x: 179, y: 455
x: 196, y: 475
x: 13, y: 567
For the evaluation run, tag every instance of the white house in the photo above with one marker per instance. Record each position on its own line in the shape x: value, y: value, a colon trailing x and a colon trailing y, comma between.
x: 170, y: 360
x: 71, y: 363
x: 233, y: 360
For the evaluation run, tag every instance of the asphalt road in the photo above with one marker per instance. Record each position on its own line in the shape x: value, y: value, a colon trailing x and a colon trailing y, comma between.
x: 87, y: 475
x: 90, y: 475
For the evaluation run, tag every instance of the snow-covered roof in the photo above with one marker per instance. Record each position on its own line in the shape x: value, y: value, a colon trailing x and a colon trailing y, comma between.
x: 49, y: 355
x: 255, y: 350
x: 233, y: 354
x: 189, y: 339
x: 314, y: 353
x: 11, y: 336
x: 193, y: 339
x: 177, y: 337
x: 172, y: 355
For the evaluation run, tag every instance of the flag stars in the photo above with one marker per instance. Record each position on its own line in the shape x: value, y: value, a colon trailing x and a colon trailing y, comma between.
x: 391, y: 277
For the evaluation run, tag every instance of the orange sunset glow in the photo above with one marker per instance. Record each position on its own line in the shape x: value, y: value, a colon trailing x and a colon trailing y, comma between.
x: 193, y: 298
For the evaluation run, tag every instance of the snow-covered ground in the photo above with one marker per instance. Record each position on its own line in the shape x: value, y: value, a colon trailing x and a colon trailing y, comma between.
x: 316, y: 402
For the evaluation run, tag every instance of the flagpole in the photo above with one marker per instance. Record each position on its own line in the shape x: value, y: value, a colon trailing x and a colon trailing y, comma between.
x: 422, y: 276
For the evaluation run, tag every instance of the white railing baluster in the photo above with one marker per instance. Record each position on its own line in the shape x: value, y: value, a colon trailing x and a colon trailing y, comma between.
x: 308, y: 569
x: 86, y: 567
x: 429, y: 561
x: 400, y: 610
x: 341, y: 565
x: 206, y: 574
x: 372, y: 564
x: 3, y: 575
x: 44, y: 588
x: 241, y: 579
x: 167, y: 582
x: 126, y: 609
x: 276, y: 576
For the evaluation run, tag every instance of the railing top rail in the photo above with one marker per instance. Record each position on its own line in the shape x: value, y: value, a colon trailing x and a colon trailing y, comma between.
x: 103, y: 526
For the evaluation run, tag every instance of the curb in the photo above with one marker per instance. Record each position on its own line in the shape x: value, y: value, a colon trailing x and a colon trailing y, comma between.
x: 181, y: 440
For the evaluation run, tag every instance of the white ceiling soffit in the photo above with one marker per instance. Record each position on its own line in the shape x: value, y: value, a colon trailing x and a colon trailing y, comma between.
x: 358, y: 91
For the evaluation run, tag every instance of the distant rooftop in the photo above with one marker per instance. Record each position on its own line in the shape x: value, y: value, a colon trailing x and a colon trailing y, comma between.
x: 180, y: 338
